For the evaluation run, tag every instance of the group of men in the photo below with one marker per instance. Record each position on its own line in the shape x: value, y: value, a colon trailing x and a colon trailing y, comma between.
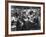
x: 25, y: 21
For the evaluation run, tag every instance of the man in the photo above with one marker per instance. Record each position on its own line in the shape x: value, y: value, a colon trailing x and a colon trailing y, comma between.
x: 37, y: 23
x: 14, y: 21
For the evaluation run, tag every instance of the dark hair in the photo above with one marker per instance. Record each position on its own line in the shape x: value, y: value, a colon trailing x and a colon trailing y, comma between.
x: 15, y: 14
x: 31, y: 12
